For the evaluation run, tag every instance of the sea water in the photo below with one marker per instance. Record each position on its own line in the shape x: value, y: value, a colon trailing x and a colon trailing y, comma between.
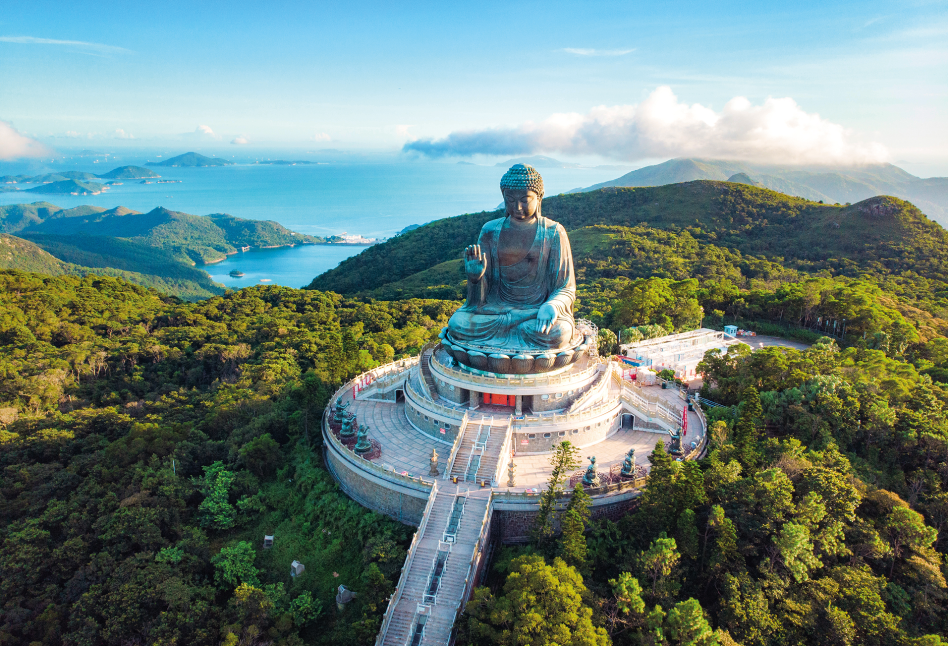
x: 371, y: 199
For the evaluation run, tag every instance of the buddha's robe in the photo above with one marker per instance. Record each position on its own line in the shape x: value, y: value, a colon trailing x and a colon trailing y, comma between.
x: 501, y: 308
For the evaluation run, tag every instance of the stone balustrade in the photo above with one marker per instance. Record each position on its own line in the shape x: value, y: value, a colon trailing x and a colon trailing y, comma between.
x: 521, y: 383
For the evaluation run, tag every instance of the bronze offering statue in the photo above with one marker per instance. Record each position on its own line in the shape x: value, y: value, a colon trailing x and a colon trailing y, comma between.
x: 591, y: 477
x: 362, y: 444
x: 628, y: 465
x: 518, y: 317
x: 347, y: 426
x: 675, y: 448
x: 341, y: 411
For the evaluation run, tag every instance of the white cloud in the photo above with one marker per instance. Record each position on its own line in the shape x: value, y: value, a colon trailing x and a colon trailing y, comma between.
x: 580, y: 51
x: 777, y: 131
x: 13, y: 145
x: 75, y: 44
x: 240, y: 141
x: 202, y: 133
x: 402, y: 131
x: 321, y: 136
x: 121, y: 134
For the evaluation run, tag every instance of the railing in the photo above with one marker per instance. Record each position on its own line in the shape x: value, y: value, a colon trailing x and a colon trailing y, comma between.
x: 594, y: 391
x: 462, y: 427
x: 480, y: 442
x: 703, y: 445
x: 555, y: 418
x: 385, y: 471
x: 540, y: 380
x: 469, y: 579
x: 504, y: 453
x: 649, y: 405
x: 384, y: 376
x: 527, y: 496
x: 431, y: 406
x: 409, y: 558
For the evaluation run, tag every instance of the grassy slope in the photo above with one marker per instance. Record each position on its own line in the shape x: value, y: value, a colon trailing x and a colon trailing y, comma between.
x: 753, y: 221
x: 16, y: 253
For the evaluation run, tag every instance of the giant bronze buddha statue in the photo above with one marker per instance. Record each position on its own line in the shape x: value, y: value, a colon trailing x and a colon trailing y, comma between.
x: 520, y: 288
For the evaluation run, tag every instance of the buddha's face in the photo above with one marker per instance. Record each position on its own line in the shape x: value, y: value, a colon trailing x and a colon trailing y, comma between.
x: 521, y: 205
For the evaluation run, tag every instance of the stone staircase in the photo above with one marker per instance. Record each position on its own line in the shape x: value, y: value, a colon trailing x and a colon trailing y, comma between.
x: 426, y: 374
x: 473, y: 465
x: 436, y: 582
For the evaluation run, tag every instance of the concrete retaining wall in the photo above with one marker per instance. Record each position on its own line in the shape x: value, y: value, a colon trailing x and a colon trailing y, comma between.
x: 393, y: 499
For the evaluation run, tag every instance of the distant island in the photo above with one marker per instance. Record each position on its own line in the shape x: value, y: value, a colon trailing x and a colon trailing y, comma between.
x: 128, y: 172
x: 69, y: 187
x: 236, y: 273
x: 191, y: 160
x: 283, y: 162
x: 57, y: 183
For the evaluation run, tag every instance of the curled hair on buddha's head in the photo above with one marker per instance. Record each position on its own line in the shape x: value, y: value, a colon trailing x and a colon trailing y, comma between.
x: 522, y: 177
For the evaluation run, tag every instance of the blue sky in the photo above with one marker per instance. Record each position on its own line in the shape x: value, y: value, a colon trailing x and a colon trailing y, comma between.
x: 380, y: 75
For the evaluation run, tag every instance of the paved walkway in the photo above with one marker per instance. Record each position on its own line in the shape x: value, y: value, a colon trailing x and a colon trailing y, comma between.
x: 403, y: 446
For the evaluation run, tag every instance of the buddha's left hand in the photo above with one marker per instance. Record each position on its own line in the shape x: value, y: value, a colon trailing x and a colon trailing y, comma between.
x: 545, y: 317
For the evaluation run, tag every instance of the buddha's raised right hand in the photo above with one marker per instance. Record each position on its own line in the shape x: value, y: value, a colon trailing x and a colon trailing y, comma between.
x: 475, y: 263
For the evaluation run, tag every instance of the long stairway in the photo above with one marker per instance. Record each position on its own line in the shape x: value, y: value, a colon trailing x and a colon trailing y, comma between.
x: 426, y: 374
x: 437, y: 578
x: 474, y: 463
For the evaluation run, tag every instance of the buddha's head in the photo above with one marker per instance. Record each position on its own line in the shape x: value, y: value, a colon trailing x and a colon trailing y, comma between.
x: 522, y: 187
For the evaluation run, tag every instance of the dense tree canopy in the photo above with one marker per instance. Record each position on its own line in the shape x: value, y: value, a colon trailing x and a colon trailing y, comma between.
x: 147, y: 445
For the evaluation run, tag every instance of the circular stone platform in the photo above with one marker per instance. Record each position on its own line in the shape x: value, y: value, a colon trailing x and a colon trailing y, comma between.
x: 502, y: 361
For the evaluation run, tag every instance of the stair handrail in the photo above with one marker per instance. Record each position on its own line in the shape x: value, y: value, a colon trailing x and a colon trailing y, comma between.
x: 409, y: 558
x: 469, y: 579
x: 505, y: 449
x: 462, y: 428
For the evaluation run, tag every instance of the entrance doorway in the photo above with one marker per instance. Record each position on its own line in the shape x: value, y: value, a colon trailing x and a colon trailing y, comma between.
x: 628, y: 420
x: 500, y: 400
x: 399, y: 396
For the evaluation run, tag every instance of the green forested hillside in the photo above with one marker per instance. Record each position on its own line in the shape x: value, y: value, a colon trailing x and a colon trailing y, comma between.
x: 189, y: 238
x: 740, y: 242
x: 156, y: 249
x: 147, y: 445
x: 829, y: 184
x: 817, y: 519
x: 16, y: 253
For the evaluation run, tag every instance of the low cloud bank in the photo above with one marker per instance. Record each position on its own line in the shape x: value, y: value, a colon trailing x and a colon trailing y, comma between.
x: 778, y: 131
x: 13, y: 145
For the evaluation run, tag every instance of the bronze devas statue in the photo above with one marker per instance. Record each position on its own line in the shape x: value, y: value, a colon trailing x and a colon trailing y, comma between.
x: 520, y: 288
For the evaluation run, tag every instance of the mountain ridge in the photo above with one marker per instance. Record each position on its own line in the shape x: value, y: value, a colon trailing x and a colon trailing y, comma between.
x: 818, y: 183
x: 759, y: 227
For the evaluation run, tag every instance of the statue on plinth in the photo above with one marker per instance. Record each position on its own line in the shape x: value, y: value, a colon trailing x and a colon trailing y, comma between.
x: 675, y: 448
x: 628, y: 465
x: 362, y: 444
x: 518, y: 317
x: 340, y: 411
x: 347, y: 430
x: 591, y: 477
x: 433, y: 471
